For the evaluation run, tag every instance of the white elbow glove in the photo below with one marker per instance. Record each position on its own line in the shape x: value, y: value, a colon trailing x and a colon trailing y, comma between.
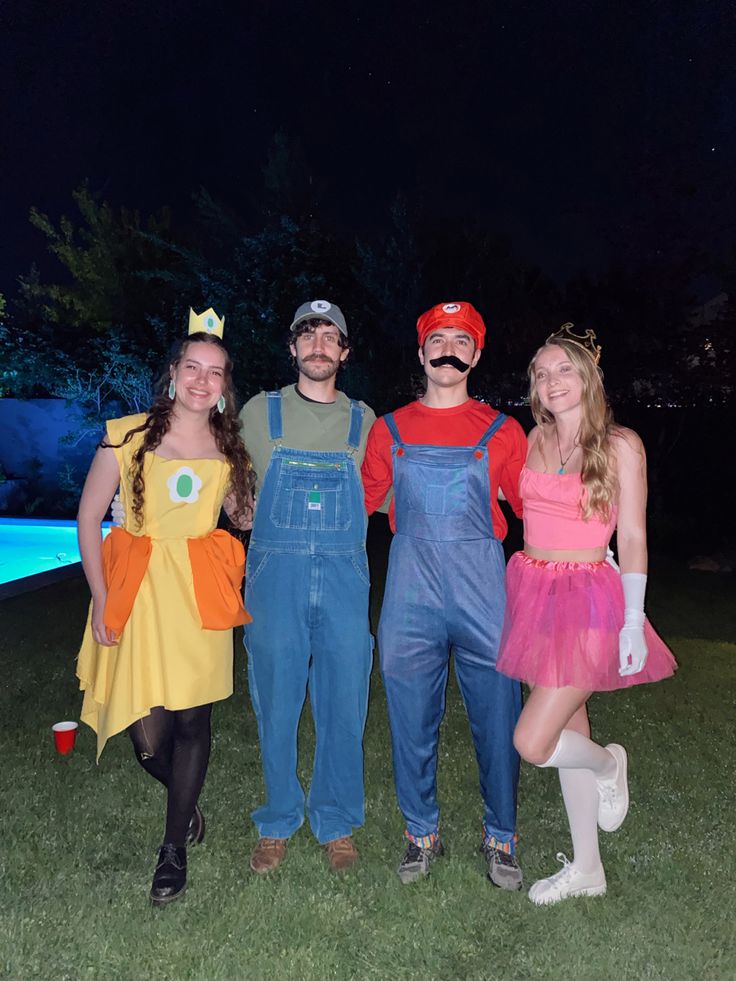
x: 632, y: 648
x: 117, y: 511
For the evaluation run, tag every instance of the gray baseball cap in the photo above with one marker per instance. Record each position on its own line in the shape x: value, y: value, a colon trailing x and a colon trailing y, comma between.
x: 325, y: 311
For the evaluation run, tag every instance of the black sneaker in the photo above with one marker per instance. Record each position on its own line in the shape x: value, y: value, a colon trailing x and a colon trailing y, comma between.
x: 170, y: 877
x: 416, y: 861
x: 503, y: 869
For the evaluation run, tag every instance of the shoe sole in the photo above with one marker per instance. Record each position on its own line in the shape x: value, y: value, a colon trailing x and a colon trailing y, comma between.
x: 507, y: 887
x: 621, y: 757
x: 165, y: 900
x: 575, y: 894
x: 407, y: 879
x: 271, y: 868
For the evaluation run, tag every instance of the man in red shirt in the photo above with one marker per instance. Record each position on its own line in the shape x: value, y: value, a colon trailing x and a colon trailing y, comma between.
x: 445, y: 457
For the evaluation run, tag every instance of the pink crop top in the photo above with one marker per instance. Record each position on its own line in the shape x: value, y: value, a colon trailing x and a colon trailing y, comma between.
x: 552, y: 515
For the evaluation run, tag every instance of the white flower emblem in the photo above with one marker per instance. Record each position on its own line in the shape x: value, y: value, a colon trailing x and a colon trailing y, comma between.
x: 320, y: 306
x: 451, y: 308
x: 184, y: 486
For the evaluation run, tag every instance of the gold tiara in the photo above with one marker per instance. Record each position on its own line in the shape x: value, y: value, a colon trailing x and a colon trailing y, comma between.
x: 208, y: 322
x: 588, y: 341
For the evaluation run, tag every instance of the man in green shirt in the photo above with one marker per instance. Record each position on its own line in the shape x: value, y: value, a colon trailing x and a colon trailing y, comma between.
x: 306, y: 588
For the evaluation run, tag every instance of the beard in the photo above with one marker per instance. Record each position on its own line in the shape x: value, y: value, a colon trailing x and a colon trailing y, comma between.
x: 318, y: 367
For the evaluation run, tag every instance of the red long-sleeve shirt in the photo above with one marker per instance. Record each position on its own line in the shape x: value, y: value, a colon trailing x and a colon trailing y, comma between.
x: 461, y: 425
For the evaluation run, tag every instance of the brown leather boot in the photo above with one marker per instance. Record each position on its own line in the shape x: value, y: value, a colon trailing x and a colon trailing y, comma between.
x: 341, y: 854
x: 268, y: 855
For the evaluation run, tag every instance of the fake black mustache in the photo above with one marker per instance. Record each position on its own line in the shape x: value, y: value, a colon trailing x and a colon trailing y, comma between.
x: 452, y: 361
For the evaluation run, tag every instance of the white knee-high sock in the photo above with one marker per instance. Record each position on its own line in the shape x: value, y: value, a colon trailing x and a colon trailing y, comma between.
x: 575, y: 752
x: 580, y: 794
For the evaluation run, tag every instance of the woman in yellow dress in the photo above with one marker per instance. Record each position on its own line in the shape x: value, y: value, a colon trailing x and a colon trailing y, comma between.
x: 157, y: 650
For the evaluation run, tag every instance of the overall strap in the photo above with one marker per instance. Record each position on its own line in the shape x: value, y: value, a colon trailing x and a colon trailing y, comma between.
x: 275, y: 420
x: 357, y: 411
x: 492, y: 429
x: 392, y: 428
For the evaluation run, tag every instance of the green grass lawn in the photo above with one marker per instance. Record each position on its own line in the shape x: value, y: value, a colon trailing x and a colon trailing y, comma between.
x: 78, y: 841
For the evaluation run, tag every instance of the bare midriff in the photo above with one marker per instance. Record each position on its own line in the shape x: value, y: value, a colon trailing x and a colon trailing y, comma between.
x: 565, y: 554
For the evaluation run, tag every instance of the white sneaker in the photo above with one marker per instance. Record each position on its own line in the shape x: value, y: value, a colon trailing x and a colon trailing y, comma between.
x: 567, y: 883
x: 613, y: 795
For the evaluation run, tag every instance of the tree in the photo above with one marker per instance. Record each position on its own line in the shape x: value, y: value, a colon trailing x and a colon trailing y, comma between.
x: 119, y: 384
x: 108, y: 258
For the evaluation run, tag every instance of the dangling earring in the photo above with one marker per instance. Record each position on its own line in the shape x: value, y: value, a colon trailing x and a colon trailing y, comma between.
x: 221, y: 404
x: 172, y: 389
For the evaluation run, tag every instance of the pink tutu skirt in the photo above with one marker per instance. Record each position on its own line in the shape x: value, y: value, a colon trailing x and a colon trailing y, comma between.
x: 562, y: 624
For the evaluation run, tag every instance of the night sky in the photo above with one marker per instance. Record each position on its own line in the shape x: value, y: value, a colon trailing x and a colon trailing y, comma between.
x: 585, y: 131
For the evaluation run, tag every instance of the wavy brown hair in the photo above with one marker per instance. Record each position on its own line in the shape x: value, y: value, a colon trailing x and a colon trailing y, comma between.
x: 224, y: 426
x: 596, y: 428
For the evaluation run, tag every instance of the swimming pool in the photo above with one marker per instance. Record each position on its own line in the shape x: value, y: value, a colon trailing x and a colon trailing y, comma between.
x: 34, y: 551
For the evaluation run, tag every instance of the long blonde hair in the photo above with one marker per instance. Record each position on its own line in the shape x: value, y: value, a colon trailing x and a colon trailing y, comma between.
x: 598, y: 472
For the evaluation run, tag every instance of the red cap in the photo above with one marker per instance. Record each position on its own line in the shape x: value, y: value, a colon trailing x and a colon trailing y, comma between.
x: 462, y: 316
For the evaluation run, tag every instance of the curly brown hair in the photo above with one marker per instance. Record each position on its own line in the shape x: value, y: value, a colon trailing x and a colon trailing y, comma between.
x: 224, y: 426
x: 310, y: 325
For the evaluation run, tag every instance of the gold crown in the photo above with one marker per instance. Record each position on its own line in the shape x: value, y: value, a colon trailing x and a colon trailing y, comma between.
x: 207, y: 322
x: 588, y: 341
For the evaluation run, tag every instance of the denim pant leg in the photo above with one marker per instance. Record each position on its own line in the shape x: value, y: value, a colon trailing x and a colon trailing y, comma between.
x: 493, y: 704
x: 492, y: 701
x: 414, y: 651
x: 277, y: 641
x: 338, y: 683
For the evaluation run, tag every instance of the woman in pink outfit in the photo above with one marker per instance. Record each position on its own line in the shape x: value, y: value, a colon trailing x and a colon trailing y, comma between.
x: 574, y: 623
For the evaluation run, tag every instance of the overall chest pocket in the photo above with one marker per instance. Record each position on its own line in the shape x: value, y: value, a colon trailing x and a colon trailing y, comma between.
x: 438, y: 489
x: 312, y: 497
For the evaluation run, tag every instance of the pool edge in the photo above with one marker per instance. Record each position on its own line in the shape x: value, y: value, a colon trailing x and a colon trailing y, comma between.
x: 16, y: 587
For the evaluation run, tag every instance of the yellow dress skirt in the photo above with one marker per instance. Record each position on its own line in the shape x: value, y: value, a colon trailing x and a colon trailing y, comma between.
x: 163, y: 656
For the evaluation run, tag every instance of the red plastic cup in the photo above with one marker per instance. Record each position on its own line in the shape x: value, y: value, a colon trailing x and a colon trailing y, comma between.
x: 65, y: 733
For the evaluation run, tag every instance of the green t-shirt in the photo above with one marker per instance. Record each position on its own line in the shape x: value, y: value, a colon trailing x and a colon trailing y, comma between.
x: 308, y: 425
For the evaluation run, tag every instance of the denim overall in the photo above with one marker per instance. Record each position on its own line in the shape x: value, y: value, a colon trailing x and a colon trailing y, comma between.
x: 446, y: 589
x: 307, y: 590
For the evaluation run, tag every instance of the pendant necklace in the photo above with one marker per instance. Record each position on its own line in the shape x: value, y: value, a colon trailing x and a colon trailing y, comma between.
x: 563, y: 463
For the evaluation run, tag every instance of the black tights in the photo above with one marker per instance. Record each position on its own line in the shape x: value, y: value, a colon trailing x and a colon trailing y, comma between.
x: 174, y: 747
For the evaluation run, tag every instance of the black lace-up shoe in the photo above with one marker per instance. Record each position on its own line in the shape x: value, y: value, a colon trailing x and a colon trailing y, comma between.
x: 170, y: 877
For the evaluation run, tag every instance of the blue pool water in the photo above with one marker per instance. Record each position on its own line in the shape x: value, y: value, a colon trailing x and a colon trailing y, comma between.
x: 31, y: 546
